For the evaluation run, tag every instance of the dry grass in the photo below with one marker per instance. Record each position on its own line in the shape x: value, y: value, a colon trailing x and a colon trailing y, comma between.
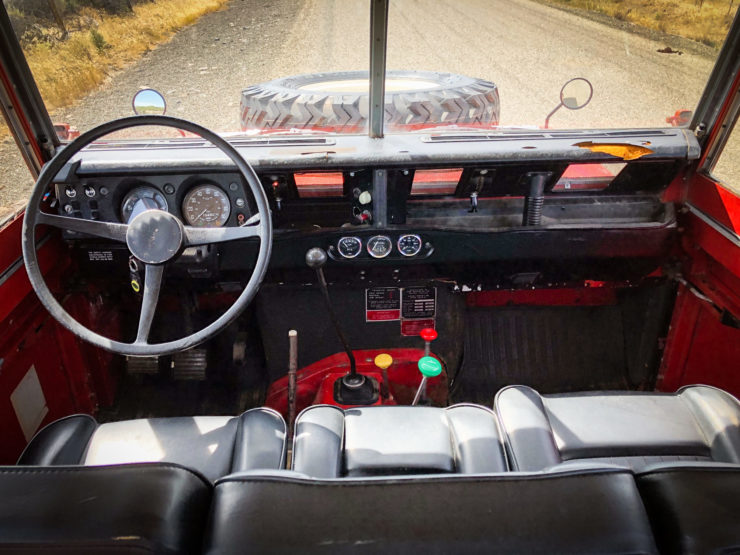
x: 66, y: 70
x: 705, y: 21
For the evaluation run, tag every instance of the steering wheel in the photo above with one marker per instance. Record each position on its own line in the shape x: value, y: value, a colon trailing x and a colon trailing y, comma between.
x: 154, y: 237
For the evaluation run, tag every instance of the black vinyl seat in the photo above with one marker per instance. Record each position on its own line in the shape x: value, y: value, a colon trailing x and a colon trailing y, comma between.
x: 693, y: 508
x: 396, y: 440
x: 211, y: 445
x: 631, y: 429
x: 139, y: 508
x: 585, y: 511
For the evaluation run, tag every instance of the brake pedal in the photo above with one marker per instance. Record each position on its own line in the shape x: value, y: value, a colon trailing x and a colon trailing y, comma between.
x: 190, y: 365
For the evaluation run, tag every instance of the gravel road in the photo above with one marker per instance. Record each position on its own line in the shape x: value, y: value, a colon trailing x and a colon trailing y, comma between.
x: 527, y: 48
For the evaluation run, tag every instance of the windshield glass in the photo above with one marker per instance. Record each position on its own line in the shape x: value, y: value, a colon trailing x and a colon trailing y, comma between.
x: 243, y: 66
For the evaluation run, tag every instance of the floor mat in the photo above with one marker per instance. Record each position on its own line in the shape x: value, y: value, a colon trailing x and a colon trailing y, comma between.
x: 551, y: 349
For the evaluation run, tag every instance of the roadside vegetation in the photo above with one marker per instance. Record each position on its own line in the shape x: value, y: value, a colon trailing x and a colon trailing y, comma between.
x: 704, y: 21
x: 73, y: 45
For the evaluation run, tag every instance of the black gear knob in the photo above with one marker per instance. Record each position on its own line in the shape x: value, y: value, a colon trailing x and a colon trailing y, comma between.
x: 315, y: 258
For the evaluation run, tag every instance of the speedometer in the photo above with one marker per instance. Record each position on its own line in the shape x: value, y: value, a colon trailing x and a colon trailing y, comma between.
x: 206, y: 206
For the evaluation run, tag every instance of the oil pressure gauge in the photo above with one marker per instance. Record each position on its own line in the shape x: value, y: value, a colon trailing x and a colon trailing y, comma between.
x: 349, y: 247
x: 379, y: 246
x: 409, y: 245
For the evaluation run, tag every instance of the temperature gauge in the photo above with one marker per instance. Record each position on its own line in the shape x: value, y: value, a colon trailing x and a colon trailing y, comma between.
x: 379, y: 246
x: 409, y: 245
x: 349, y: 247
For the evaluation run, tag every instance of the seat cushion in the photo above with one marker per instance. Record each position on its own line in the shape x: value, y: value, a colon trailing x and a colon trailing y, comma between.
x: 212, y: 445
x: 635, y: 429
x: 596, y: 511
x: 395, y: 440
x: 693, y: 509
x: 122, y: 509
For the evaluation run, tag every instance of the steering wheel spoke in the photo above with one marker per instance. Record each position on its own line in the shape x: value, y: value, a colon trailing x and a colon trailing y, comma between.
x: 204, y: 235
x: 106, y: 230
x: 152, y: 287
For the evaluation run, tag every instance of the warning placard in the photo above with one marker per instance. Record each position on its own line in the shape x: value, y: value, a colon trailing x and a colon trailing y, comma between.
x: 418, y: 309
x: 382, y: 304
x: 419, y: 302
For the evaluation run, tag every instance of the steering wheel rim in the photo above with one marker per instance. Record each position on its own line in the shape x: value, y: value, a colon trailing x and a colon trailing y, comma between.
x: 193, y: 236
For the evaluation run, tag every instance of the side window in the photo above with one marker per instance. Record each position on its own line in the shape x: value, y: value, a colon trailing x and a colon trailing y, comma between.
x: 726, y: 169
x: 15, y: 179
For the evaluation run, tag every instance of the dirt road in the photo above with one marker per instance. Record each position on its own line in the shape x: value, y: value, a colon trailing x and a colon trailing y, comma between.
x: 527, y: 48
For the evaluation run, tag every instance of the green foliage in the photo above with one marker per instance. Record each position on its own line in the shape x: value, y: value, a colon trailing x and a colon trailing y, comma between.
x: 98, y: 41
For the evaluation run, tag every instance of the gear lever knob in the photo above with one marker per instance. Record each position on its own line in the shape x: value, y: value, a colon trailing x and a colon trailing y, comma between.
x: 315, y: 258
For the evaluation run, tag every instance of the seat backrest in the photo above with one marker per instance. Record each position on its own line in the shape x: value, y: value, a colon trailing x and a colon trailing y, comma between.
x: 396, y: 440
x: 212, y: 445
x: 634, y: 429
x: 594, y: 511
x: 693, y: 509
x: 147, y: 508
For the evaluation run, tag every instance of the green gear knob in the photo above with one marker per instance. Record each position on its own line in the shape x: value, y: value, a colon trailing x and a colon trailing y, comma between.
x: 429, y: 367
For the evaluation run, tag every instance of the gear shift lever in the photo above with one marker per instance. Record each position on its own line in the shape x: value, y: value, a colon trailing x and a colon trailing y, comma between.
x: 354, y: 389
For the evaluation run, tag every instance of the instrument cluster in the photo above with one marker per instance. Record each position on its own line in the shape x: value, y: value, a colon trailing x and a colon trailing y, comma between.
x: 407, y: 245
x: 213, y: 200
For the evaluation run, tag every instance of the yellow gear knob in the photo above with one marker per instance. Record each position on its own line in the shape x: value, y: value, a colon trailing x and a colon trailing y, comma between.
x: 383, y: 361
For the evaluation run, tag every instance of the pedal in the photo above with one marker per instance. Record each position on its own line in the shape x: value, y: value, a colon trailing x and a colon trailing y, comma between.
x: 190, y: 365
x: 139, y: 366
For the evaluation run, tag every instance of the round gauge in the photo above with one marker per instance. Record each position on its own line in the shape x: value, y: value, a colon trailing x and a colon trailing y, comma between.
x: 409, y: 245
x: 152, y: 199
x: 379, y: 246
x: 349, y: 247
x: 206, y: 206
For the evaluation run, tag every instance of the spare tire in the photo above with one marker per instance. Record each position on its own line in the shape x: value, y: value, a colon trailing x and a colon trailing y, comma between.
x: 339, y: 102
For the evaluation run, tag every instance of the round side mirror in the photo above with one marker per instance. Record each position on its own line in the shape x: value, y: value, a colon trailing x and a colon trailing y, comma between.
x: 576, y: 93
x: 148, y: 102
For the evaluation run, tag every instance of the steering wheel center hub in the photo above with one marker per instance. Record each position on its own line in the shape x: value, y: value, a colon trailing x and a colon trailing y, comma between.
x: 154, y: 236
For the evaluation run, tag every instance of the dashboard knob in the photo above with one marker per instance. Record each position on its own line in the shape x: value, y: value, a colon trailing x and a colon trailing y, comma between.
x: 428, y: 334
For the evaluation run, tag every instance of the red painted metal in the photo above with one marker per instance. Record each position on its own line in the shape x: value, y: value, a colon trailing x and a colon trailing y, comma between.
x: 699, y: 349
x: 716, y: 201
x: 315, y: 382
x: 701, y: 237
x: 10, y: 90
x: 29, y: 339
x: 586, y: 296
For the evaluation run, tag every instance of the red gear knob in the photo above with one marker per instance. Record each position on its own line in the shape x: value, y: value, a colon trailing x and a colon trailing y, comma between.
x: 428, y: 334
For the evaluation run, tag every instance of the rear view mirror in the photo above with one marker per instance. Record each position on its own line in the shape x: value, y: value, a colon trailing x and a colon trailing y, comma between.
x: 149, y: 102
x: 574, y: 95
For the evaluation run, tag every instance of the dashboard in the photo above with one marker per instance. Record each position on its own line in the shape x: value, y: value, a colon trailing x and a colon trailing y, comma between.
x: 406, y: 200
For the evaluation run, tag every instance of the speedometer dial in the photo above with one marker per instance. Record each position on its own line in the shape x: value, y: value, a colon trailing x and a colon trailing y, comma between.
x: 206, y: 206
